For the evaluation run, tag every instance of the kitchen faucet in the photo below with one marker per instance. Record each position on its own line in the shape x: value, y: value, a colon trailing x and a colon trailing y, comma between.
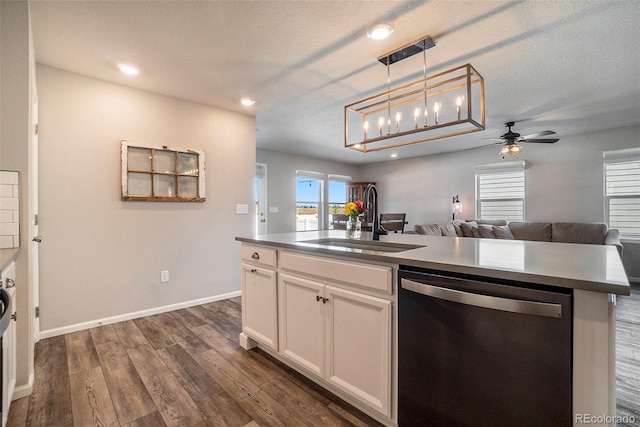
x: 371, y: 190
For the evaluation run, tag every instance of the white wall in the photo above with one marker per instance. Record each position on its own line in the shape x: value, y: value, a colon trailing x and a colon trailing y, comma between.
x: 102, y: 257
x: 281, y: 183
x: 564, y: 181
x: 15, y: 120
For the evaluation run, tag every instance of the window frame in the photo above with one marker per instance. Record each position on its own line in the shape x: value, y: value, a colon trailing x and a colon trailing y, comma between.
x: 628, y: 155
x: 335, y: 178
x: 498, y: 168
x: 314, y: 176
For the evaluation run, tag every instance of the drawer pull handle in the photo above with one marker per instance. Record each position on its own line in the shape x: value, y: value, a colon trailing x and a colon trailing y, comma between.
x: 324, y: 300
x: 318, y: 298
x: 253, y: 270
x: 14, y: 316
x: 255, y: 255
x: 9, y: 283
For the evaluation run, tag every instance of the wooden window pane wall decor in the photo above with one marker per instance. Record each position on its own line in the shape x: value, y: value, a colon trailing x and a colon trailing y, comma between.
x: 161, y: 173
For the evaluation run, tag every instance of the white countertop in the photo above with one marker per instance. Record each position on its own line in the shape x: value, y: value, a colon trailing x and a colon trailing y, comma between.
x: 589, y: 267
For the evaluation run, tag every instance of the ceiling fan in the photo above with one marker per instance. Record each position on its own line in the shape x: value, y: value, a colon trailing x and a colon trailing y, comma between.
x: 511, y: 140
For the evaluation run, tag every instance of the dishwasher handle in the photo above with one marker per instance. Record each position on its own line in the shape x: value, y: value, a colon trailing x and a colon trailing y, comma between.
x: 484, y: 301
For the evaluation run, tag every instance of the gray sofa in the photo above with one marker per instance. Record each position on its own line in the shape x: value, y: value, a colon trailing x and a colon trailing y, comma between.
x: 593, y: 233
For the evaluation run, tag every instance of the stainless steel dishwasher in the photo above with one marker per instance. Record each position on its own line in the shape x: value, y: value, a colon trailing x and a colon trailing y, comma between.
x: 482, y: 352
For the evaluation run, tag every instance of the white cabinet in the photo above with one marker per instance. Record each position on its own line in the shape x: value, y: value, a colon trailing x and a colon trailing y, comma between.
x: 259, y: 295
x: 339, y: 335
x: 9, y: 347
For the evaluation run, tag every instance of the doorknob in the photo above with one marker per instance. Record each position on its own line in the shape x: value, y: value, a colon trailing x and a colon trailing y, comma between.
x: 37, y: 239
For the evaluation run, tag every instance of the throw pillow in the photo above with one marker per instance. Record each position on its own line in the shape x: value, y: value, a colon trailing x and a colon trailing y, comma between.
x: 448, y: 229
x: 468, y: 227
x: 486, y: 231
x: 502, y: 232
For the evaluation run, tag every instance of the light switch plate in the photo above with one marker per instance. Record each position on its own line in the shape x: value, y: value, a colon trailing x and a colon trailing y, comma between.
x: 242, y: 209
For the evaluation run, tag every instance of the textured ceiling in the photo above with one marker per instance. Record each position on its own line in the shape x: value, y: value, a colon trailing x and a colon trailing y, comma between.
x: 569, y: 66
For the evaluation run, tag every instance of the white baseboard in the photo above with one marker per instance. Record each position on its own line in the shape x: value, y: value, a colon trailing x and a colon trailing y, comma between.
x: 23, y: 390
x: 135, y: 315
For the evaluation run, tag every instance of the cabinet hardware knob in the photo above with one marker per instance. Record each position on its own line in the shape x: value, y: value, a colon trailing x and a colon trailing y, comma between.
x: 318, y: 297
x: 253, y: 270
x: 14, y: 316
x: 324, y: 300
x: 255, y: 255
x: 37, y: 239
x: 9, y: 283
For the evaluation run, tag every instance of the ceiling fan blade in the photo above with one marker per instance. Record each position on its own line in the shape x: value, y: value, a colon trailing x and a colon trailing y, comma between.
x: 494, y: 139
x: 537, y: 134
x: 543, y: 141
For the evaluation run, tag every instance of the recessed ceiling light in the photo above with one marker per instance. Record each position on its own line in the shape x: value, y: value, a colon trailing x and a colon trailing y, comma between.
x: 394, y: 155
x: 128, y: 69
x: 247, y: 102
x: 380, y: 31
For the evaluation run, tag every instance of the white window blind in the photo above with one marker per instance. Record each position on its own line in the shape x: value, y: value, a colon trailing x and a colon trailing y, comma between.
x: 622, y: 191
x: 500, y: 192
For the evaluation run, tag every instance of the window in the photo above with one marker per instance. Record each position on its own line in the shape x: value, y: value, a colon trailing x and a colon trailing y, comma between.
x: 500, y: 191
x: 622, y: 190
x: 308, y: 200
x: 337, y: 196
x: 161, y: 173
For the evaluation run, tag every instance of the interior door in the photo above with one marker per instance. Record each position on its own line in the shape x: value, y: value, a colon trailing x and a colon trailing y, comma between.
x: 34, y: 234
x: 261, y: 198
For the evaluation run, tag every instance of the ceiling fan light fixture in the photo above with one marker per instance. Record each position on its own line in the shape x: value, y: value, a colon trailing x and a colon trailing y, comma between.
x: 380, y: 31
x: 511, y: 149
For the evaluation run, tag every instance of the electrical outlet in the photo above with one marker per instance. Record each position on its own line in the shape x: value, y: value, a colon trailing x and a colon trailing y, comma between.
x: 164, y: 276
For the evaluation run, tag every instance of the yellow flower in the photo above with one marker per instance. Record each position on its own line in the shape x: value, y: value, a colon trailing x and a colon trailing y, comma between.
x: 350, y: 207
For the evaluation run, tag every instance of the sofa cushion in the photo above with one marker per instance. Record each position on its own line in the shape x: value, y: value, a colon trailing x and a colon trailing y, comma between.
x: 579, y: 232
x: 491, y: 221
x: 486, y: 231
x: 428, y: 229
x: 448, y: 229
x: 502, y: 232
x: 470, y: 229
x: 538, y: 231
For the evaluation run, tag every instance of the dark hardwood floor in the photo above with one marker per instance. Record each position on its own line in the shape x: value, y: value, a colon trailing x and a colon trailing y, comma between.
x: 182, y: 368
x: 185, y: 368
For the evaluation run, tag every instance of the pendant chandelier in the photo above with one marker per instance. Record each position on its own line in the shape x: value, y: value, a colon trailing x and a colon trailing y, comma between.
x: 446, y: 104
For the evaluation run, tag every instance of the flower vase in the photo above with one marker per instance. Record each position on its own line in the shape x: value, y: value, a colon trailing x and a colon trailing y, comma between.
x: 353, y: 227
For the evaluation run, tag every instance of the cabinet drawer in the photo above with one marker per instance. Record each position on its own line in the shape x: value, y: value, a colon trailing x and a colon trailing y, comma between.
x: 259, y: 255
x: 375, y: 277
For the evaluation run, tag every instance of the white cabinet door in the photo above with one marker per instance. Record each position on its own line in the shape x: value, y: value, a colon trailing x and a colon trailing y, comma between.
x: 302, y: 322
x: 358, y: 346
x: 260, y: 305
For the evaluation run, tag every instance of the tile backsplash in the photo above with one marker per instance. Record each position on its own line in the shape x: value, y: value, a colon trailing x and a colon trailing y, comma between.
x: 9, y: 210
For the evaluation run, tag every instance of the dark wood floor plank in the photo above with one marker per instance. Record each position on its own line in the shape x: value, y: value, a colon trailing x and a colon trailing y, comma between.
x: 18, y: 412
x: 189, y: 373
x: 91, y: 401
x: 232, y: 380
x: 310, y: 411
x: 154, y: 333
x: 222, y: 410
x: 153, y: 419
x: 266, y: 411
x: 228, y: 324
x: 224, y: 325
x: 189, y: 319
x: 171, y: 323
x: 128, y: 393
x: 129, y: 334
x: 81, y: 353
x: 173, y: 402
x: 238, y: 357
x: 50, y: 400
x: 103, y: 334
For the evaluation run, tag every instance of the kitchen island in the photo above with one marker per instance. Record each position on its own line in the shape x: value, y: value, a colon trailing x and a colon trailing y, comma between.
x: 328, y: 306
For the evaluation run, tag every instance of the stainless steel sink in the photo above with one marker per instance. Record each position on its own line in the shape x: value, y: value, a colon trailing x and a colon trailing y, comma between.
x: 367, y: 245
